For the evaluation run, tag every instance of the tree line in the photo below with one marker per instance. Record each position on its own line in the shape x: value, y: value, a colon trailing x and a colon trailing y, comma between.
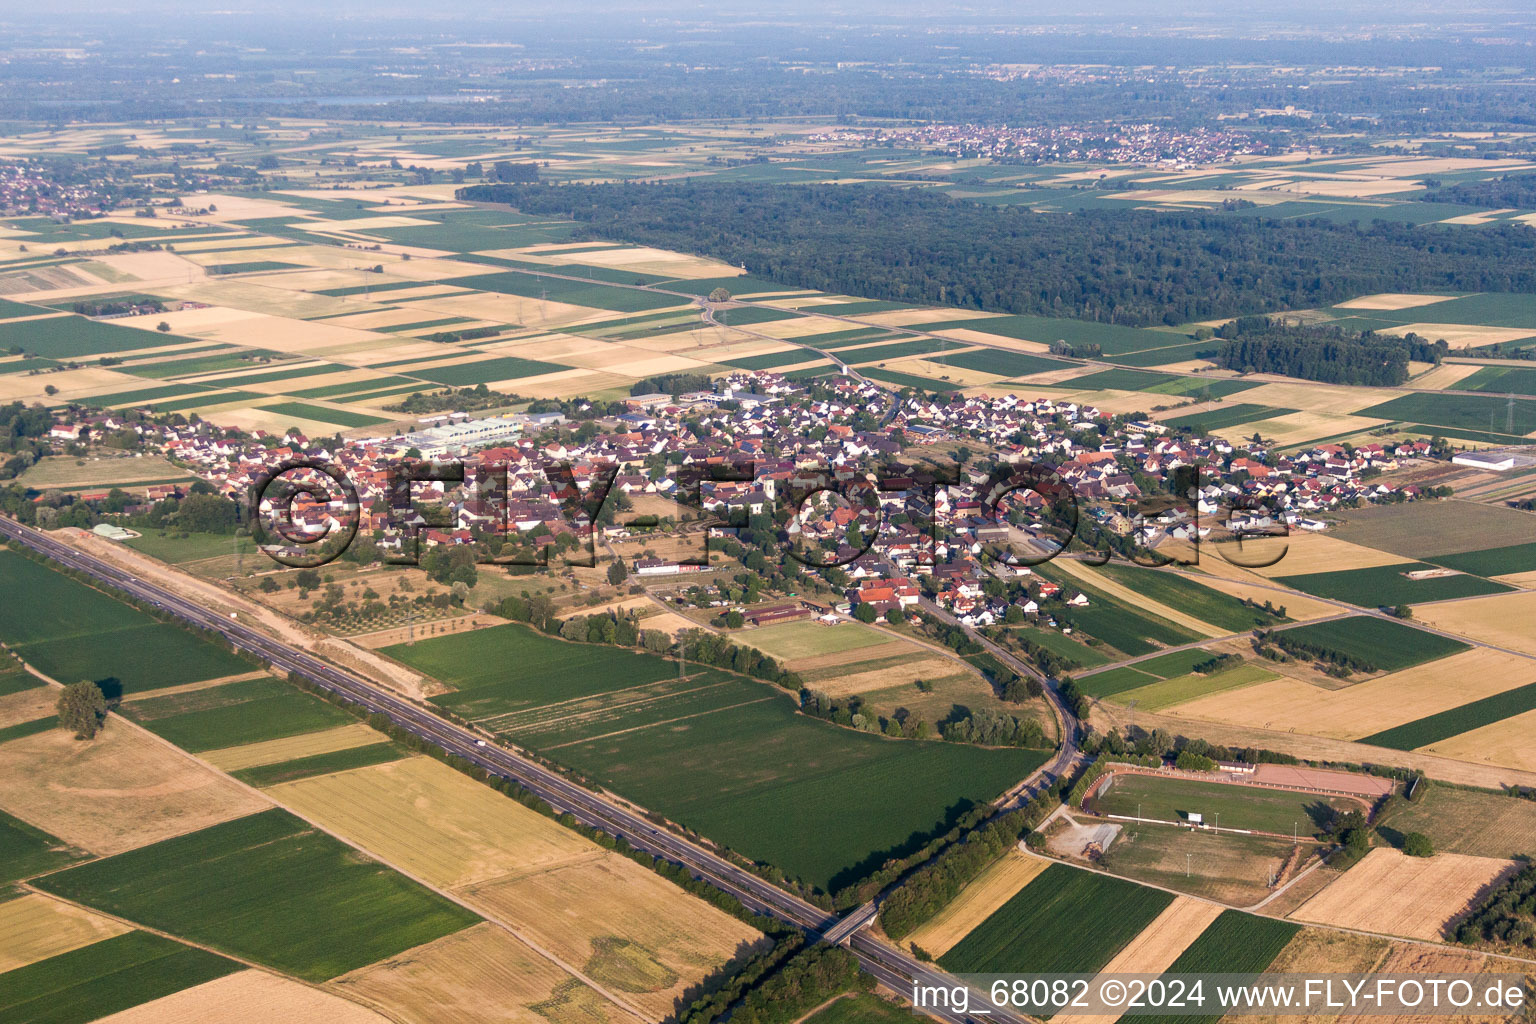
x: 1509, y: 190
x: 1130, y: 267
x: 1322, y: 352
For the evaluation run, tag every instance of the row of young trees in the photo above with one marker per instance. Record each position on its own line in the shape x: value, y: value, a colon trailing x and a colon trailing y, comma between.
x: 1117, y: 266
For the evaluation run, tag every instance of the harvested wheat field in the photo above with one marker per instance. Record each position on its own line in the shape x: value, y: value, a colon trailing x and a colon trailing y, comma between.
x: 433, y: 822
x: 1319, y: 951
x: 1501, y: 619
x: 1315, y: 552
x: 1169, y: 934
x: 1366, y: 707
x: 978, y: 901
x: 1415, y: 959
x: 1321, y: 397
x: 664, y: 943
x: 37, y: 927
x: 908, y: 671
x: 1511, y: 742
x: 245, y: 997
x: 1462, y: 335
x: 121, y: 790
x: 28, y: 705
x: 1415, y: 897
x: 327, y: 741
x: 481, y: 975
x: 1393, y: 300
x: 1446, y: 375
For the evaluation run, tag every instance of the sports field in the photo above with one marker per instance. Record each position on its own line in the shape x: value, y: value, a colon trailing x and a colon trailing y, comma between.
x: 1230, y: 868
x: 1225, y: 804
x: 691, y: 749
x: 271, y: 889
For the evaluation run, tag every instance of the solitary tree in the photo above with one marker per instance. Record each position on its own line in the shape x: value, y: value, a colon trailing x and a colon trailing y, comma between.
x: 82, y: 707
x: 1417, y: 844
x: 617, y: 572
x: 720, y: 295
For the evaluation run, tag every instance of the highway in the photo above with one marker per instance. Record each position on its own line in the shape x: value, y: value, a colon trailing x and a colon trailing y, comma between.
x: 891, y: 967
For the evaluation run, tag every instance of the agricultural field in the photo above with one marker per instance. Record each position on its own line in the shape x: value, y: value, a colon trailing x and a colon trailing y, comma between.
x: 1387, y: 644
x: 1180, y: 924
x: 1169, y: 693
x: 37, y: 927
x: 979, y: 900
x: 861, y: 1008
x: 97, y: 472
x: 1067, y: 920
x: 1238, y: 805
x: 71, y: 631
x: 1388, y: 585
x: 246, y: 995
x: 519, y: 867
x: 1118, y: 679
x: 1479, y: 823
x: 792, y: 640
x: 1231, y: 869
x: 308, y: 744
x: 235, y: 714
x: 104, y: 977
x: 25, y: 850
x: 267, y: 888
x: 628, y: 721
x: 1430, y: 730
x: 121, y: 790
x: 1235, y: 942
x: 1499, y: 619
x: 1394, y: 894
x: 1459, y: 412
x: 1362, y: 708
x: 478, y: 975
x: 1191, y: 597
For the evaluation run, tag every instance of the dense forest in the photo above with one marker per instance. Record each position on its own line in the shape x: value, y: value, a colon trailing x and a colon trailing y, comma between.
x: 1127, y: 267
x: 1258, y: 344
x: 1516, y: 191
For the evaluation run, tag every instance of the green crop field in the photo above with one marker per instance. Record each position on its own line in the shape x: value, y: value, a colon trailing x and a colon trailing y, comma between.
x: 27, y: 851
x: 234, y: 714
x: 320, y: 764
x: 480, y: 665
x: 176, y: 549
x: 861, y: 1008
x: 71, y: 631
x: 280, y: 375
x: 828, y: 805
x: 340, y: 417
x: 1239, y: 806
x: 1384, y: 643
x: 1166, y: 666
x: 1165, y: 356
x: 1492, y: 561
x: 909, y: 380
x: 1235, y: 943
x: 1066, y: 921
x: 1112, y: 339
x: 1116, y: 623
x: 66, y: 337
x: 842, y: 339
x: 1191, y: 598
x: 1452, y: 412
x: 142, y: 396
x: 896, y: 350
x: 742, y: 316
x: 104, y: 977
x: 1167, y: 693
x: 15, y: 680
x: 1065, y: 646
x: 1386, y: 586
x: 576, y: 293
x: 1225, y: 416
x: 270, y: 889
x: 1501, y: 379
x: 769, y: 360
x: 1114, y: 680
x: 486, y: 370
x: 1159, y: 383
x: 1002, y: 363
x: 32, y: 728
x: 1457, y: 720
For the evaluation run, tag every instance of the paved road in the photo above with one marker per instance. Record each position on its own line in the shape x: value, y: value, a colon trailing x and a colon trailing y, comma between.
x: 892, y: 968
